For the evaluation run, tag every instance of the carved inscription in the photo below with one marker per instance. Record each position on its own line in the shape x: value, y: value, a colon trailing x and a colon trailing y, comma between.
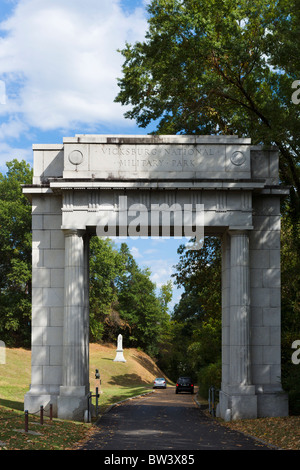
x: 163, y: 157
x: 154, y: 163
x: 157, y: 160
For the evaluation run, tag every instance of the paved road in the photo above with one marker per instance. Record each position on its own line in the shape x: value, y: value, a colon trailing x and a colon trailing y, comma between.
x: 164, y: 421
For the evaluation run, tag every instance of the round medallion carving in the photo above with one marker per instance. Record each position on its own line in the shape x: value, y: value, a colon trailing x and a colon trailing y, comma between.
x: 238, y: 158
x: 76, y: 157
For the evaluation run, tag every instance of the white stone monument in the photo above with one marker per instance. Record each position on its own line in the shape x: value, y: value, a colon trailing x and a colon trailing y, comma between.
x: 119, y: 356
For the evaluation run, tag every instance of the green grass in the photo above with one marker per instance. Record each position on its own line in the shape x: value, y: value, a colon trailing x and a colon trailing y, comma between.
x: 52, y: 435
x: 15, y: 378
x: 14, y: 383
x: 119, y: 381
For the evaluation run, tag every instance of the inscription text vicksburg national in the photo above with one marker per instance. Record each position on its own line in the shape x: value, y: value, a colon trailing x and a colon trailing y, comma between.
x: 157, y: 158
x: 160, y: 157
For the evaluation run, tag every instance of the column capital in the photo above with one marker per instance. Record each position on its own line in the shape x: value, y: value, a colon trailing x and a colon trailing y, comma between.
x: 239, y: 230
x: 69, y: 232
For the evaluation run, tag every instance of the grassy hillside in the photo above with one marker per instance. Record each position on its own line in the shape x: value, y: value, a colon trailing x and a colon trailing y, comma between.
x: 15, y: 377
x: 118, y: 380
x: 121, y: 380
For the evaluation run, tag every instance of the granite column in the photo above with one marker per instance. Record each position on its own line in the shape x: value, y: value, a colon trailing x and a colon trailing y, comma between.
x: 72, y: 401
x: 238, y: 399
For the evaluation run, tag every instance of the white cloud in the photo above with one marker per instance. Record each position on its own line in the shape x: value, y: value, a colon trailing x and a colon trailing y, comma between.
x: 162, y: 277
x: 9, y: 153
x: 135, y: 252
x: 161, y: 270
x: 60, y: 63
x: 151, y: 251
x: 12, y: 129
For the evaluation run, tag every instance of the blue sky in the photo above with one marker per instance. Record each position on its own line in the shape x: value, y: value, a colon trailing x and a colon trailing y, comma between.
x: 58, y: 69
x: 59, y: 65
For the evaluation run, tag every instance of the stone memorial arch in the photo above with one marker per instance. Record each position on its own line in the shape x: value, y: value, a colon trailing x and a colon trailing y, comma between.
x: 81, y: 184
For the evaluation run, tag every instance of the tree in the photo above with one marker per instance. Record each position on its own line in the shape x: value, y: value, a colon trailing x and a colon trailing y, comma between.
x: 220, y: 67
x: 124, y: 299
x: 199, y: 272
x: 164, y: 340
x: 196, y: 319
x: 141, y: 308
x: 106, y: 266
x: 15, y: 255
x: 290, y: 309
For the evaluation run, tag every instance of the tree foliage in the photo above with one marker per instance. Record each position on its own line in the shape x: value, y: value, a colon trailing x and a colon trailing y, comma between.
x: 220, y: 67
x: 124, y: 299
x: 15, y: 255
x: 106, y: 265
x: 196, y: 319
x: 290, y: 308
x: 139, y: 305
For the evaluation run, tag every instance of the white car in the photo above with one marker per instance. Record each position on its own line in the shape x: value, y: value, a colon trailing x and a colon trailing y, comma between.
x: 160, y: 383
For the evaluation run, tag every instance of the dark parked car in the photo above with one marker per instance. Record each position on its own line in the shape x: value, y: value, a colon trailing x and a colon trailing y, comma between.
x: 184, y: 384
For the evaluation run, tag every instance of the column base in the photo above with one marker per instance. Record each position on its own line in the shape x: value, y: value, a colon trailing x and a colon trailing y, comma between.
x: 72, y: 403
x: 272, y: 404
x: 237, y: 406
x: 33, y: 400
x: 250, y: 406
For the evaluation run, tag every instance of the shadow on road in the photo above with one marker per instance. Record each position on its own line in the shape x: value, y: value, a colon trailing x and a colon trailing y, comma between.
x: 164, y: 420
